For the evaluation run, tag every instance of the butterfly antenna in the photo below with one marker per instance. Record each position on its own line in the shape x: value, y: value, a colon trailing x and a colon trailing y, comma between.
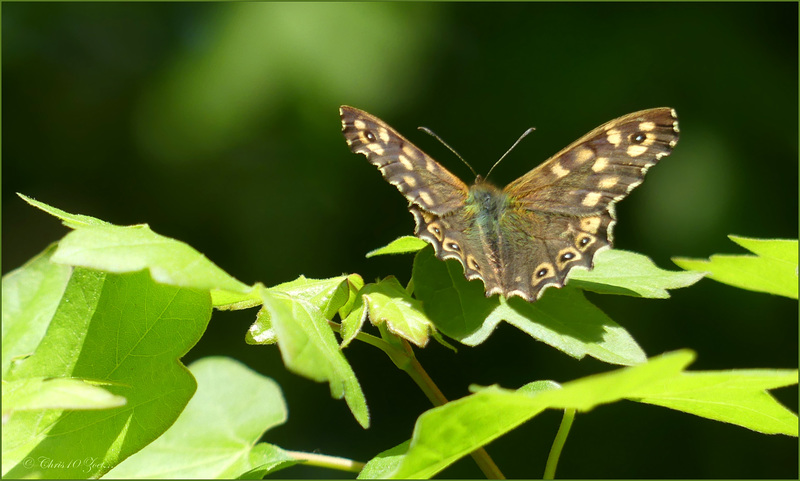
x: 524, y: 134
x: 433, y: 134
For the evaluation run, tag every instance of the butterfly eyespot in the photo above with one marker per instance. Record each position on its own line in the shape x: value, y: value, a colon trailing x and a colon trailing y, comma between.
x: 453, y: 246
x: 567, y: 256
x: 638, y: 137
x: 370, y: 136
x: 541, y: 273
x: 584, y: 241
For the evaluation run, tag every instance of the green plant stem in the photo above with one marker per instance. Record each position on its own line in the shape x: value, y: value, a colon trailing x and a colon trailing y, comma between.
x: 403, y: 357
x: 415, y: 370
x: 558, y: 444
x: 331, y: 462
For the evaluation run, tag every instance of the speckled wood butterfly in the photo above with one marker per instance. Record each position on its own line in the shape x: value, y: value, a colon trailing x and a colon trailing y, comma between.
x: 529, y: 235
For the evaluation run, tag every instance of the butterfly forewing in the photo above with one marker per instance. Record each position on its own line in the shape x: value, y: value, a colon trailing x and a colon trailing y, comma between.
x: 528, y: 236
x: 601, y: 167
x: 422, y: 180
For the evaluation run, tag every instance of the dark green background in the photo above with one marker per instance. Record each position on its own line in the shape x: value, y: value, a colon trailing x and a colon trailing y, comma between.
x: 217, y: 124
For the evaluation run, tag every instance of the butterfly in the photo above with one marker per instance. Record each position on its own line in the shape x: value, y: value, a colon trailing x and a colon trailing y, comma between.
x: 529, y: 235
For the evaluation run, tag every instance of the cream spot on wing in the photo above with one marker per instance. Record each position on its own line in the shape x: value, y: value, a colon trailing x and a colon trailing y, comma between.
x: 636, y: 150
x: 558, y: 170
x: 430, y: 166
x: 614, y: 137
x: 406, y: 163
x: 410, y: 181
x: 600, y: 164
x: 647, y: 126
x: 360, y: 124
x: 590, y: 224
x: 409, y: 151
x: 376, y: 149
x: 608, y: 182
x: 384, y: 135
x: 591, y: 199
x: 426, y: 198
x: 583, y: 155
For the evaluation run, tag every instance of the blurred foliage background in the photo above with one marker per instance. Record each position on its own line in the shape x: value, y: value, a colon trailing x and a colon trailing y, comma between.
x: 217, y: 124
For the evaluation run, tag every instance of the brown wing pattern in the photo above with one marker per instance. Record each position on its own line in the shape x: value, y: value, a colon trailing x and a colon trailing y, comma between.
x: 456, y: 236
x: 422, y: 180
x: 562, y: 211
x: 601, y: 167
x: 528, y: 236
x: 437, y: 198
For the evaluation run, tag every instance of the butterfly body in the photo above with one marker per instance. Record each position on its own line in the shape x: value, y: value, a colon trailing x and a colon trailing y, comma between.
x: 527, y: 236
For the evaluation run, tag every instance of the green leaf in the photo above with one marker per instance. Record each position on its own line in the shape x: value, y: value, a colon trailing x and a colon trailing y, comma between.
x: 445, y: 434
x: 632, y: 274
x: 102, y: 246
x: 385, y: 463
x: 31, y: 394
x: 562, y: 318
x: 736, y: 397
x: 73, y: 221
x: 354, y: 283
x: 388, y: 303
x: 261, y: 332
x: 307, y: 343
x: 401, y: 245
x: 96, y: 244
x: 216, y: 435
x: 122, y: 330
x: 234, y: 301
x: 354, y: 322
x: 773, y: 269
x: 31, y: 295
x: 327, y: 295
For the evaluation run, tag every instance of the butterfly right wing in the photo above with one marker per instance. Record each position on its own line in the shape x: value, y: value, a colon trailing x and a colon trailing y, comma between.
x: 422, y: 180
x: 563, y: 210
x: 437, y: 198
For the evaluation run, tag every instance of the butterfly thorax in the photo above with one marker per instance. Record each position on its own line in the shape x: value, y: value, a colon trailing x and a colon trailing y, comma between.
x: 488, y: 205
x: 489, y: 202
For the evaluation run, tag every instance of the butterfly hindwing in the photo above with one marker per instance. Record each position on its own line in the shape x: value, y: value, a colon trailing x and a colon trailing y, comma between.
x: 543, y: 257
x: 456, y: 236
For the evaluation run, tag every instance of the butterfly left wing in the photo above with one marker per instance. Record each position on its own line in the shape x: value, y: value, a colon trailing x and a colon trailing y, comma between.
x: 563, y: 210
x: 437, y: 198
x: 422, y: 180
